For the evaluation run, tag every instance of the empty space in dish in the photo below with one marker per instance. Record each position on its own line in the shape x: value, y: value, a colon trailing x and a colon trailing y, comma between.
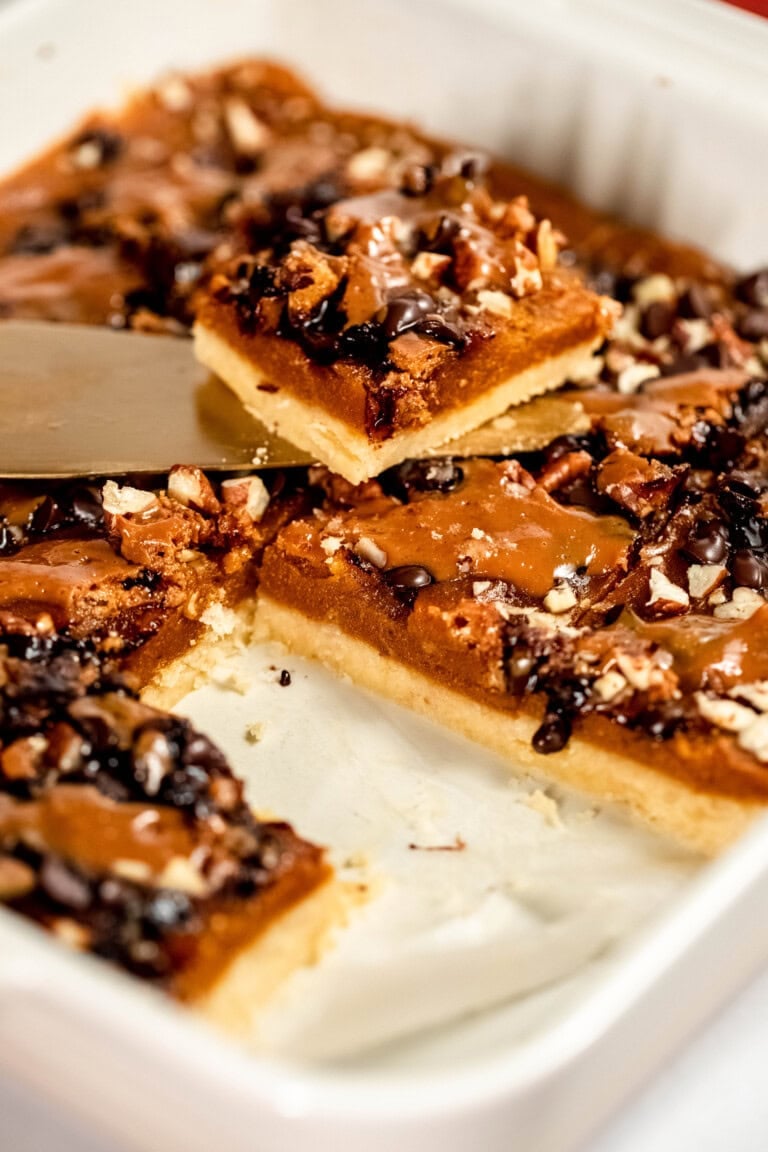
x: 483, y: 885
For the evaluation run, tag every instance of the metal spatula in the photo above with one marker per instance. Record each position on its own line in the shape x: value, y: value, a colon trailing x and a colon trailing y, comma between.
x: 79, y: 401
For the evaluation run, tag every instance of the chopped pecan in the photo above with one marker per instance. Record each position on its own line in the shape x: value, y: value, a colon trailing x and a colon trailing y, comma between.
x: 564, y: 469
x: 639, y: 485
x: 309, y: 277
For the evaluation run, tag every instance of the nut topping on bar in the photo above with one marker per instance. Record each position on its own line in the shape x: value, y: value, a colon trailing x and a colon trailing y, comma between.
x: 358, y: 275
x: 397, y: 284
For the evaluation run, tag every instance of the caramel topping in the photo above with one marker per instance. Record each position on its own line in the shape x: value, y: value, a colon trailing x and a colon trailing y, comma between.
x: 79, y: 824
x: 75, y: 285
x: 57, y: 573
x: 712, y: 653
x: 706, y: 388
x: 494, y: 527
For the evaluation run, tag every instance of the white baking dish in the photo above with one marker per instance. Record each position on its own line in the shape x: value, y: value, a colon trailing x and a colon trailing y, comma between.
x: 660, y: 110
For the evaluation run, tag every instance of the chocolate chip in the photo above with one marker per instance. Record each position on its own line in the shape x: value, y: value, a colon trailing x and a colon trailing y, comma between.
x: 753, y: 289
x: 261, y: 282
x: 657, y: 319
x: 750, y: 484
x: 754, y: 325
x: 709, y: 543
x: 285, y: 678
x: 303, y: 227
x: 751, y: 409
x: 198, y: 750
x: 473, y: 165
x: 168, y: 910
x: 608, y: 282
x: 440, y: 233
x: 520, y: 666
x: 696, y: 302
x: 85, y: 504
x: 553, y: 733
x: 737, y: 498
x: 748, y: 570
x: 603, y: 281
x: 723, y: 448
x: 73, y: 208
x: 365, y: 342
x: 749, y: 532
x: 439, y: 475
x: 661, y: 722
x: 436, y: 327
x: 564, y: 445
x: 144, y: 578
x: 716, y: 355
x: 737, y: 495
x: 408, y: 578
x: 405, y: 312
x: 64, y: 885
x: 418, y: 179
x: 184, y: 787
x: 688, y: 362
x: 47, y: 515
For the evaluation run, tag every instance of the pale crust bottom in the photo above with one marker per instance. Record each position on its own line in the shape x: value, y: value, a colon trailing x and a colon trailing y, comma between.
x: 350, y: 453
x: 297, y: 939
x: 705, y: 822
x: 230, y: 630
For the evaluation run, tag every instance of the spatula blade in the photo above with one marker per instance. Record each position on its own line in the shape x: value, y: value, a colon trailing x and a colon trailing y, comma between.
x: 79, y: 401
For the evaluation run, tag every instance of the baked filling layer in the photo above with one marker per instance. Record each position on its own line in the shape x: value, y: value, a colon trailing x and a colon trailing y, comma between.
x: 590, y: 601
x: 308, y: 422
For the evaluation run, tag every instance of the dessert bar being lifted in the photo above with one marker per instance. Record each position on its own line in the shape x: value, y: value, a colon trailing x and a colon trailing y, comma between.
x: 373, y: 328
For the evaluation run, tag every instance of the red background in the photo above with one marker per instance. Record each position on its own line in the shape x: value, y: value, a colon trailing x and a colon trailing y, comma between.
x: 759, y: 7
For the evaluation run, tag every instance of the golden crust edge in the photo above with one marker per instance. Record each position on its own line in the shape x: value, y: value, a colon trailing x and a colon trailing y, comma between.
x: 297, y: 940
x: 350, y: 453
x: 192, y: 668
x: 704, y: 822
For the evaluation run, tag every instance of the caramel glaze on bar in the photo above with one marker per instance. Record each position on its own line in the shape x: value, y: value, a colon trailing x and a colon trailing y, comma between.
x: 403, y: 302
x: 114, y: 224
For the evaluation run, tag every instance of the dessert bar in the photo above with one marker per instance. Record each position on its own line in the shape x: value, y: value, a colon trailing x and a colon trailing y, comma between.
x: 380, y: 325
